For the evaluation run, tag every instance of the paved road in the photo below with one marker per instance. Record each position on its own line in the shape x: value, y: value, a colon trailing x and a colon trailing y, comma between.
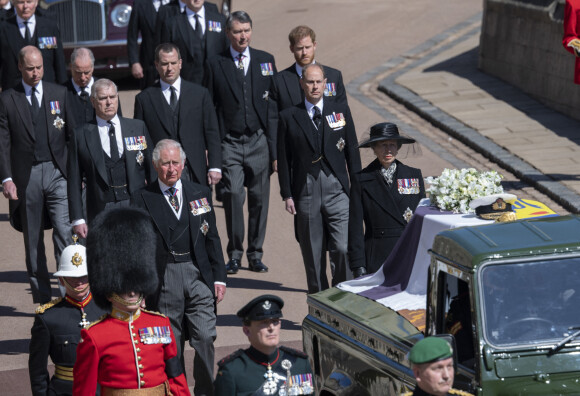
x: 358, y: 40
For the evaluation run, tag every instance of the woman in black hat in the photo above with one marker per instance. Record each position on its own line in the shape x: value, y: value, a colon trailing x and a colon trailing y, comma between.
x: 384, y: 196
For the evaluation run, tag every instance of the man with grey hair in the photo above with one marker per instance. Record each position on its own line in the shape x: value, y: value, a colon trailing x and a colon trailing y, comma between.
x: 190, y: 260
x: 112, y: 153
x: 35, y: 124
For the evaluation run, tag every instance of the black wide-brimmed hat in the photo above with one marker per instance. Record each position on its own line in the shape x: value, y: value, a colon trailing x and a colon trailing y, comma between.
x: 385, y: 131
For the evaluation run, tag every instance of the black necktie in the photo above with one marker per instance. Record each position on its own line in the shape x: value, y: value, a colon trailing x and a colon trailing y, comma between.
x: 84, y: 94
x: 113, y: 142
x: 27, y: 35
x: 317, y: 117
x: 173, y: 98
x: 173, y: 198
x: 34, y: 107
x: 198, y: 29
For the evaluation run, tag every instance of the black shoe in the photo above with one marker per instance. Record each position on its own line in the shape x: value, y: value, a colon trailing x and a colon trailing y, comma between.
x: 233, y: 266
x: 258, y: 266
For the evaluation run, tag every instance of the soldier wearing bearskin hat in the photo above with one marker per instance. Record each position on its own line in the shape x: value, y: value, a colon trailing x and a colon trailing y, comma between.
x: 131, y: 350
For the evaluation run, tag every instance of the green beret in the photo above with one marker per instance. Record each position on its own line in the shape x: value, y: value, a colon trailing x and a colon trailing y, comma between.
x: 430, y: 349
x: 263, y: 307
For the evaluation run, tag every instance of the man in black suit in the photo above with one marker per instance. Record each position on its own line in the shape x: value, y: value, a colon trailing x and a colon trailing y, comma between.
x: 239, y: 80
x: 112, y: 153
x: 317, y: 151
x: 199, y: 34
x: 25, y: 28
x: 190, y: 260
x: 6, y: 9
x: 143, y: 21
x: 34, y: 128
x: 183, y: 111
x: 287, y: 91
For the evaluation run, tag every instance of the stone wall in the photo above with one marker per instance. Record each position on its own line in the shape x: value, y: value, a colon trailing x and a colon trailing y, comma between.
x: 521, y: 43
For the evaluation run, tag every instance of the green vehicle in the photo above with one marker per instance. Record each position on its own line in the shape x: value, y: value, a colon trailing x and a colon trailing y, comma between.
x: 514, y: 289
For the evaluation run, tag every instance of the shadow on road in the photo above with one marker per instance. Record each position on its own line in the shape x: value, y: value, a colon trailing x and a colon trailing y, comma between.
x: 465, y: 65
x: 14, y: 347
x: 253, y: 284
x: 14, y: 277
x: 4, y: 217
x: 11, y: 311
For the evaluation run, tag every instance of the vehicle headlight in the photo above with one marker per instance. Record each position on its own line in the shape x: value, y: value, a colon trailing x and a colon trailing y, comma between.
x: 120, y: 15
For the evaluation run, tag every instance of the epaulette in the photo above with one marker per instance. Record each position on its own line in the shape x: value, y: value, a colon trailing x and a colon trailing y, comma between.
x: 154, y: 313
x: 231, y: 357
x: 48, y: 305
x: 293, y: 351
x: 459, y: 392
x: 103, y: 317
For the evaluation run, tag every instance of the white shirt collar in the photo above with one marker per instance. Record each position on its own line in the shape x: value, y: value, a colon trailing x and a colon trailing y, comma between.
x: 28, y: 88
x: 7, y: 6
x: 235, y: 53
x: 299, y: 68
x: 102, y: 123
x: 309, y: 106
x: 87, y: 88
x: 182, y: 5
x: 176, y: 85
x: 21, y: 21
x: 164, y: 186
x: 201, y: 12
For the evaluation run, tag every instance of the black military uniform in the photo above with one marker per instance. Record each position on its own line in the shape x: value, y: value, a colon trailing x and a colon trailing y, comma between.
x: 56, y: 333
x: 250, y: 372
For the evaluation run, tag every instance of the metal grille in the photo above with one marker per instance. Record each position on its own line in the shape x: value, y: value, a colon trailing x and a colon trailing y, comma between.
x: 79, y: 21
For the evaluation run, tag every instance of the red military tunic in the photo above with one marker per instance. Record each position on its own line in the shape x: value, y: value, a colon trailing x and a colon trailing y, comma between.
x: 126, y: 352
x: 572, y: 31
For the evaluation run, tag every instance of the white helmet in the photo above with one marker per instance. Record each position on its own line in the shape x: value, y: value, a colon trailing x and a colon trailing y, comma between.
x: 73, y: 262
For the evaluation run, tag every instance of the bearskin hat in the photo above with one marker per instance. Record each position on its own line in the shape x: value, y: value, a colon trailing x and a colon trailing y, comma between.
x: 121, y: 251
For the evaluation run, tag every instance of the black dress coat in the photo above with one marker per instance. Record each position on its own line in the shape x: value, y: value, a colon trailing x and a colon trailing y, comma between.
x: 198, y: 129
x: 11, y: 42
x: 56, y: 333
x: 82, y: 111
x: 17, y: 138
x: 207, y: 249
x: 143, y: 21
x: 381, y: 209
x: 221, y: 81
x: 87, y: 160
x: 194, y: 52
x: 296, y: 148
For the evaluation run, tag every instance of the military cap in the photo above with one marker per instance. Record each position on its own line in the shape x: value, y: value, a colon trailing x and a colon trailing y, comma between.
x: 430, y: 349
x: 493, y: 206
x: 73, y: 261
x: 263, y: 307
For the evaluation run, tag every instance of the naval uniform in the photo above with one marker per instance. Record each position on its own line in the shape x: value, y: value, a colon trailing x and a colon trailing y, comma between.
x: 129, y: 351
x: 245, y: 372
x: 56, y: 333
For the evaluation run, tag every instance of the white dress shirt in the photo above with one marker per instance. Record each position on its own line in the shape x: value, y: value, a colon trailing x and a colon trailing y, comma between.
x: 178, y: 195
x: 167, y: 92
x: 104, y: 134
x: 245, y: 60
x: 191, y: 18
x: 22, y: 26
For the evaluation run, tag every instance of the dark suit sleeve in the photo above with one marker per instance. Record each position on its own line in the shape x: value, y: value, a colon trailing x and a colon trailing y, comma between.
x: 150, y: 172
x: 421, y: 185
x: 212, y: 132
x: 138, y: 113
x: 74, y: 186
x: 341, y: 91
x: 59, y: 61
x: 213, y: 247
x: 38, y: 358
x: 272, y: 119
x: 352, y: 153
x: 284, y: 160
x: 356, y: 248
x: 5, y: 146
x: 69, y: 117
x: 133, y: 35
x: 209, y: 84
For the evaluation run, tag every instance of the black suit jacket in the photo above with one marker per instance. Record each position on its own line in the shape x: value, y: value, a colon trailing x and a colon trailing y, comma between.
x: 197, y: 129
x: 297, y: 147
x: 11, y: 42
x: 381, y: 209
x: 82, y: 111
x: 194, y: 51
x: 87, y: 159
x: 228, y: 97
x: 143, y: 20
x: 287, y: 91
x: 207, y: 249
x: 173, y: 8
x: 17, y: 137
